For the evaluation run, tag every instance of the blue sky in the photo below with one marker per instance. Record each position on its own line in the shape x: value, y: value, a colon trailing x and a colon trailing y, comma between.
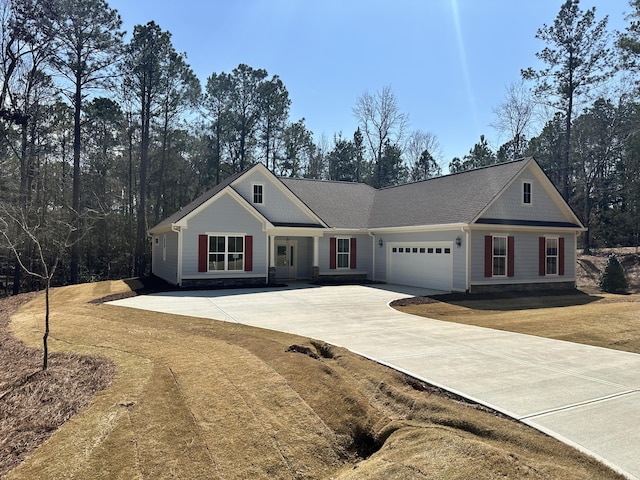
x: 447, y: 61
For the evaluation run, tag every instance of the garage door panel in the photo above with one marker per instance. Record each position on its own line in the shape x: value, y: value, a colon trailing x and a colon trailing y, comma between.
x: 428, y: 265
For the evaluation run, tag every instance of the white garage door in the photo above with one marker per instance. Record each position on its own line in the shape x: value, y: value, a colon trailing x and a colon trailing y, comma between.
x: 428, y: 265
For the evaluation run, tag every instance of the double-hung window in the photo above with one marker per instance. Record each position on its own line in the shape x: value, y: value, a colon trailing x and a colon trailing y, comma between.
x: 343, y: 252
x: 551, y: 255
x: 499, y: 256
x: 226, y: 252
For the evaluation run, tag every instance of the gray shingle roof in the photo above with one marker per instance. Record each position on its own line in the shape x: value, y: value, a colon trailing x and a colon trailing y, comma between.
x: 456, y: 198
x: 450, y: 199
x: 338, y: 204
x: 197, y: 202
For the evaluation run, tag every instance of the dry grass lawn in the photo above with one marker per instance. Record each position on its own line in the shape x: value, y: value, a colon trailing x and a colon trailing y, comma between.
x: 587, y: 316
x: 604, y: 320
x: 195, y: 398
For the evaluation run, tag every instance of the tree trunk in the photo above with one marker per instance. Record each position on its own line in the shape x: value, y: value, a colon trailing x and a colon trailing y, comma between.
x: 45, y: 337
x: 75, y: 200
x: 141, y: 236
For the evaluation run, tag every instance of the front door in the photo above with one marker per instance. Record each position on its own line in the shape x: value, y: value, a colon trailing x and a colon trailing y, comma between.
x: 286, y: 260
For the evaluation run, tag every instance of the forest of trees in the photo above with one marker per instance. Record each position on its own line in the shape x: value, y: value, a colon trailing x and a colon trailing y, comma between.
x: 101, y: 138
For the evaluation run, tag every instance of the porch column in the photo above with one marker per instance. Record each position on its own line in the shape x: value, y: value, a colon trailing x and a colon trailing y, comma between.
x: 315, y: 273
x: 272, y: 251
x: 272, y: 260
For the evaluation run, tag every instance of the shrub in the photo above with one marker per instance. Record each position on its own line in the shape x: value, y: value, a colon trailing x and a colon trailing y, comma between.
x: 613, y: 279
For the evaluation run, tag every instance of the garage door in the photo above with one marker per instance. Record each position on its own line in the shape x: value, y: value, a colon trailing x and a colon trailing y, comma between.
x: 428, y: 265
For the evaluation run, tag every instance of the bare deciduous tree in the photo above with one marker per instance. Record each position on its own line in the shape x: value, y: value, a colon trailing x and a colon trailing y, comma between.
x: 381, y: 122
x: 514, y: 116
x: 49, y: 235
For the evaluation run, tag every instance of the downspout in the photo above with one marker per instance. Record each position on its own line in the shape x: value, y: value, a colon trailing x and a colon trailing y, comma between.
x: 178, y: 230
x: 373, y: 257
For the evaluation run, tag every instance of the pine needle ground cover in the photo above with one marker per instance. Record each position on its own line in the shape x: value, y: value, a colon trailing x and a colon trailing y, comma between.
x: 195, y: 398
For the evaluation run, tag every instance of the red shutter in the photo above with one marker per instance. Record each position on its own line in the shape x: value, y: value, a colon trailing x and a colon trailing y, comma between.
x: 542, y: 256
x: 248, y: 253
x: 332, y: 253
x: 488, y: 256
x: 511, y: 270
x: 203, y: 252
x: 352, y: 253
x: 561, y: 256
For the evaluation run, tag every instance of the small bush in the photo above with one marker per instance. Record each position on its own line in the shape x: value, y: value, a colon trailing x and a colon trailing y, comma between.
x: 613, y: 279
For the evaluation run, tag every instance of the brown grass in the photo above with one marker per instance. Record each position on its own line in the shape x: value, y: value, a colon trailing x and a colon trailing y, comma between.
x: 34, y: 403
x: 584, y: 316
x: 195, y: 398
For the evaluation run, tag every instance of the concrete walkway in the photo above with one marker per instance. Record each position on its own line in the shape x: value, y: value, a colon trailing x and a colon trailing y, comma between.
x: 586, y: 396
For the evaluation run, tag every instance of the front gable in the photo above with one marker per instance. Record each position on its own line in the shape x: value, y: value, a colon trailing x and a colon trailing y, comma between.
x: 268, y: 195
x: 529, y: 199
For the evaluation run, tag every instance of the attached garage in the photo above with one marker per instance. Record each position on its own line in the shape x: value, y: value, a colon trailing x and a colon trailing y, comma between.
x: 426, y: 265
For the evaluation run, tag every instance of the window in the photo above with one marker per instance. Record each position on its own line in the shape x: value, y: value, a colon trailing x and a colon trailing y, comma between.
x: 343, y: 252
x: 526, y: 193
x: 164, y: 248
x: 551, y: 246
x: 499, y: 256
x: 258, y: 193
x: 226, y: 253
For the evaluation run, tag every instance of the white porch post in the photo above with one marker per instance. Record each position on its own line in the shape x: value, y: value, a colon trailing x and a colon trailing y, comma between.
x: 315, y: 268
x: 272, y: 251
x: 316, y: 252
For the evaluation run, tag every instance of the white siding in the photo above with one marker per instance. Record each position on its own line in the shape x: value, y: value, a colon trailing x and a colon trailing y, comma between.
x: 224, y: 215
x: 363, y: 253
x: 165, y: 266
x: 525, y: 257
x: 542, y: 207
x: 276, y: 206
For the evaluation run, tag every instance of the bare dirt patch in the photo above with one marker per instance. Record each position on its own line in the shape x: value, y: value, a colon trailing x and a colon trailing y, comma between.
x: 34, y: 403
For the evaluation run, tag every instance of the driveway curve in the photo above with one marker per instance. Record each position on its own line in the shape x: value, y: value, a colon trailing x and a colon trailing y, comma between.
x: 588, y: 397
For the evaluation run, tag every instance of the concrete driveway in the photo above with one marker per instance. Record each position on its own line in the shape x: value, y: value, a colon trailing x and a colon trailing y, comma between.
x: 586, y: 396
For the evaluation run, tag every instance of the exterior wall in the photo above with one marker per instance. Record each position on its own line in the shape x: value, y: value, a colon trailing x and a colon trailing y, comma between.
x: 224, y: 215
x: 459, y: 256
x: 164, y: 256
x: 525, y: 259
x: 277, y: 206
x: 304, y: 258
x: 363, y: 256
x: 510, y: 205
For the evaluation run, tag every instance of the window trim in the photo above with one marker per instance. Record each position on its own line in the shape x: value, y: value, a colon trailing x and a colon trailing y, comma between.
x: 526, y: 193
x: 340, y: 240
x: 226, y: 252
x: 254, y: 185
x: 164, y: 247
x: 505, y: 257
x: 547, y: 257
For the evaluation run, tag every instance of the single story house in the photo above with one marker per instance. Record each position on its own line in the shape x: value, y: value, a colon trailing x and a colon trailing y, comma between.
x: 494, y: 228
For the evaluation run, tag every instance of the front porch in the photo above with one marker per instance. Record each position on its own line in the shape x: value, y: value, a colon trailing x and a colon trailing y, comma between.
x: 293, y: 258
x: 304, y: 254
